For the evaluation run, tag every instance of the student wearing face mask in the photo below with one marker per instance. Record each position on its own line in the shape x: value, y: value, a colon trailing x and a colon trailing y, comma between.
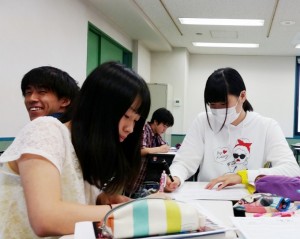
x: 229, y: 143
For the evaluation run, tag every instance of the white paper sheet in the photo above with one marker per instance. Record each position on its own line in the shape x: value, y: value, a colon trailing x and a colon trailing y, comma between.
x: 195, y: 190
x: 268, y: 227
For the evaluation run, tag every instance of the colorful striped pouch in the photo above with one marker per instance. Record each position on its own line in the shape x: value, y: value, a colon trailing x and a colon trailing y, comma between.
x: 151, y: 216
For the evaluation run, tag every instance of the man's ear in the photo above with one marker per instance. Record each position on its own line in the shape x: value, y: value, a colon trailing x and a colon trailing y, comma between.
x: 65, y: 102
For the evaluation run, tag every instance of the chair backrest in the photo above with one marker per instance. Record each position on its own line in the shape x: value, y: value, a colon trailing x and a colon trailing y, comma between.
x: 155, y: 165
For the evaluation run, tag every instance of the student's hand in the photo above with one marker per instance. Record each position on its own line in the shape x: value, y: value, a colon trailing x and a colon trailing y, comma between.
x: 104, y: 199
x: 164, y: 148
x: 172, y: 186
x: 224, y: 181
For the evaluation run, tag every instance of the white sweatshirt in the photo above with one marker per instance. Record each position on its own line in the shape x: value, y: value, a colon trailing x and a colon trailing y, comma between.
x: 249, y: 145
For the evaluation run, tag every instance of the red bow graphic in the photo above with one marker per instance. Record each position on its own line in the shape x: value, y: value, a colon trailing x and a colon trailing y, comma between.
x: 242, y: 143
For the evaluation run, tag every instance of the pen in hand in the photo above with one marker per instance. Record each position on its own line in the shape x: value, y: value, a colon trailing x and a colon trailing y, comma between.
x: 167, y: 170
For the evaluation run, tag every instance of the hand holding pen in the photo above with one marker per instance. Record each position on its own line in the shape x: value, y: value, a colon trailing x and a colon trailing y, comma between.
x: 172, y: 186
x: 167, y: 169
x: 164, y: 148
x: 172, y: 182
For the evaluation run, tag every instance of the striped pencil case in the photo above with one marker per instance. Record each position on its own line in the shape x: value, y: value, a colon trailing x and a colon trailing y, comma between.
x: 151, y: 216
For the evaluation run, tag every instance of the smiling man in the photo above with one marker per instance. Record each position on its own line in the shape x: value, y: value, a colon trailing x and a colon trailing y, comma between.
x: 48, y: 91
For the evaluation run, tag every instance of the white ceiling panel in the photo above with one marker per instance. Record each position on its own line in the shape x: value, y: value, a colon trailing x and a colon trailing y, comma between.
x: 156, y: 24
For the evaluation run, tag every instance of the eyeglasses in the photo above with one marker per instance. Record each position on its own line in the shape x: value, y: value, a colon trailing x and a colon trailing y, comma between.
x: 241, y: 156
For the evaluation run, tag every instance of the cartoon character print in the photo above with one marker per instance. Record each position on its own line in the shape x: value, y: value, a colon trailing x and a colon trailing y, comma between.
x: 241, y: 155
x: 222, y: 154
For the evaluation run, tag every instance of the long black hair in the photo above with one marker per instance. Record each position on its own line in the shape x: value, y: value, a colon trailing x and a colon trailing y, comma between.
x: 105, y: 96
x: 220, y: 84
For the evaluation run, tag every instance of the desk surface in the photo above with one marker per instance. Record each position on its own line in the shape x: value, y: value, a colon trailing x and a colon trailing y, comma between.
x: 221, y: 211
x: 168, y: 153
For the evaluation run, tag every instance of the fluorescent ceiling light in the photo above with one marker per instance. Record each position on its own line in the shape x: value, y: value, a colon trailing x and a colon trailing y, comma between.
x: 209, y: 44
x: 297, y: 46
x: 222, y: 22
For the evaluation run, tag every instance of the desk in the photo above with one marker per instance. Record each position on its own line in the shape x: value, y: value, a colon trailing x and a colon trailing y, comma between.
x: 222, y: 211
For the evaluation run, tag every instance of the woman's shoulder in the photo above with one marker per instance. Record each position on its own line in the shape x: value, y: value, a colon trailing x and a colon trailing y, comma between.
x: 45, y: 122
x: 42, y: 136
x: 41, y: 126
x: 254, y: 117
x: 46, y: 119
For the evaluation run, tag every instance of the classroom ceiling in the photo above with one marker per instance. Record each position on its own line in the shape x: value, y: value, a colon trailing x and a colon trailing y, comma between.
x: 155, y: 23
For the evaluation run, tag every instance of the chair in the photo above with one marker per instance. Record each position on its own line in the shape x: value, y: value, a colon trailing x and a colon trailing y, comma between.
x: 155, y: 165
x: 296, y: 150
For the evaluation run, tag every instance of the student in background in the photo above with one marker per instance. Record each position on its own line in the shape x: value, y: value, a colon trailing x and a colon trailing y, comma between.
x: 52, y: 171
x: 152, y: 141
x: 48, y: 91
x: 229, y: 142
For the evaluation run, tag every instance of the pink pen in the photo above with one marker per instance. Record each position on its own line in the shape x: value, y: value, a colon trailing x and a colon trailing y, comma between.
x: 283, y: 214
x: 163, y: 181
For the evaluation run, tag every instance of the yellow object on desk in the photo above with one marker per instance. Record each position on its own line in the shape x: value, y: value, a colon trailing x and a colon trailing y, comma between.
x: 244, y: 175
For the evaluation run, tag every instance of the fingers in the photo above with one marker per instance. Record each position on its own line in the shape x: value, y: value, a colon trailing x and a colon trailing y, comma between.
x: 165, y: 148
x: 224, y: 181
x: 214, y: 182
x: 172, y: 186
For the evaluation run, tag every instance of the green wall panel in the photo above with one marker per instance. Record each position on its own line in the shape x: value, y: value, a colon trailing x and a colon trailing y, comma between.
x: 110, y: 52
x: 93, y: 51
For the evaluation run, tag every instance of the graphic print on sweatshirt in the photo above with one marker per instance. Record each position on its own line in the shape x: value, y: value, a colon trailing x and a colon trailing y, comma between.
x: 237, y: 158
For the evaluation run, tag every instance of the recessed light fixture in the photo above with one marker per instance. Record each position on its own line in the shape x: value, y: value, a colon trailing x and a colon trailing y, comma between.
x: 297, y: 46
x: 210, y: 44
x: 222, y: 22
x: 287, y: 23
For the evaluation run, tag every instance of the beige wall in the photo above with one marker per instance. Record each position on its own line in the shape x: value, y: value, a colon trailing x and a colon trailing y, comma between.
x: 35, y: 33
x: 270, y: 82
x: 47, y: 32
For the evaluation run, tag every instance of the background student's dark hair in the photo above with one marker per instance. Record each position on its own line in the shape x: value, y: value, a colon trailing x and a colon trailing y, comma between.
x: 105, y: 96
x: 162, y: 115
x: 220, y: 84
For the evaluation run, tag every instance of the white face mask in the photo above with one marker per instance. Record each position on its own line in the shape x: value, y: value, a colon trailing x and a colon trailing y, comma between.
x: 219, y: 114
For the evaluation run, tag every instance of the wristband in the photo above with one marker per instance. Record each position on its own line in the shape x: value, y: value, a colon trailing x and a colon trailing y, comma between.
x: 244, y: 175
